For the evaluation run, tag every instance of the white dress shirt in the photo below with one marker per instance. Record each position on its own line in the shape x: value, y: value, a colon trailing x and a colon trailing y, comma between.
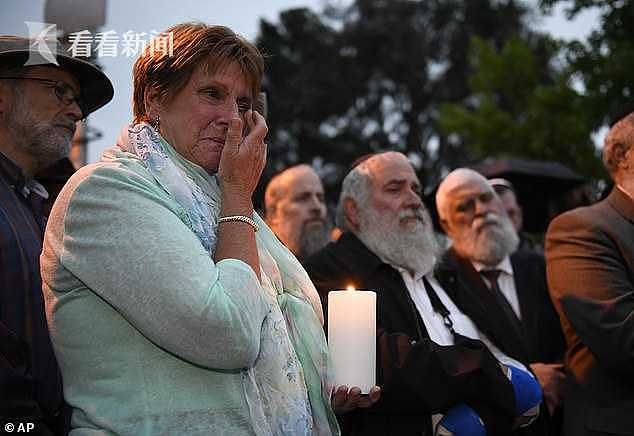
x: 434, y: 324
x: 506, y: 282
x: 438, y: 332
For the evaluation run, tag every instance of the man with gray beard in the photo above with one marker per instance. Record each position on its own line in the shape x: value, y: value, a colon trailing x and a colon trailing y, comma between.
x: 295, y: 210
x: 503, y: 291
x: 43, y: 94
x: 424, y: 366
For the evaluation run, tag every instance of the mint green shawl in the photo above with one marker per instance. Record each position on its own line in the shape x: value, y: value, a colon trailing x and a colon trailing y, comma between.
x: 198, y: 193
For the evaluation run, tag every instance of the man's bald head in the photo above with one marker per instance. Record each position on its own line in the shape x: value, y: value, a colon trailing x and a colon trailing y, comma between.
x: 295, y: 209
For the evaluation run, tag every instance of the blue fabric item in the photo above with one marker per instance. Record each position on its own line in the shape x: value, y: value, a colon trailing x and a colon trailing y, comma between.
x: 461, y: 420
x: 528, y: 393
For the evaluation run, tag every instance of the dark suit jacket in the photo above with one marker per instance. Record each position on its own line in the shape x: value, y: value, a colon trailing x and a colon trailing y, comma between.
x: 540, y: 339
x: 590, y: 265
x: 30, y: 380
x: 418, y: 377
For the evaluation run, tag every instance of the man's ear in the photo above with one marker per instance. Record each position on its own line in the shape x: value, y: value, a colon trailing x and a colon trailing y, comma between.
x: 444, y: 224
x: 623, y: 158
x: 351, y: 213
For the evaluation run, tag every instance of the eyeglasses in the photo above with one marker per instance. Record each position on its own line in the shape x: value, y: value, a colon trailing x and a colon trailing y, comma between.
x: 63, y: 91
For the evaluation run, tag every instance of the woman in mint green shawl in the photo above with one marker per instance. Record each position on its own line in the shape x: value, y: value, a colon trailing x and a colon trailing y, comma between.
x: 173, y: 309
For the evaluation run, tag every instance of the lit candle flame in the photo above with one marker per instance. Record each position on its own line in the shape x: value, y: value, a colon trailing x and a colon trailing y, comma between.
x: 350, y: 288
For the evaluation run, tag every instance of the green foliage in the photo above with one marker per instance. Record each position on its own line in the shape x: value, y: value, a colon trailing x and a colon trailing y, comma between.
x: 521, y: 106
x: 371, y: 76
x: 605, y: 62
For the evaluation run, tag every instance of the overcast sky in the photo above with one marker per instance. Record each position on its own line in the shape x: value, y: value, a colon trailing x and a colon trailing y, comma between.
x: 146, y: 16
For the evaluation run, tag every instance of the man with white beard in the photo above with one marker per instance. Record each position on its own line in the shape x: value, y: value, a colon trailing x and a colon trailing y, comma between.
x: 424, y: 366
x: 503, y: 291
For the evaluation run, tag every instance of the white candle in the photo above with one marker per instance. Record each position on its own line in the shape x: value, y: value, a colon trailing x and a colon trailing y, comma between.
x: 352, y: 338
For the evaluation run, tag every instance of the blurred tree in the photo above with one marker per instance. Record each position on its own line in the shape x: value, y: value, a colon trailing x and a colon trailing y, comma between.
x: 605, y: 62
x: 521, y: 105
x: 371, y: 76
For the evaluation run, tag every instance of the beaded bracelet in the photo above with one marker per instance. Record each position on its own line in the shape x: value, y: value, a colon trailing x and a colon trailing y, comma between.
x: 241, y: 218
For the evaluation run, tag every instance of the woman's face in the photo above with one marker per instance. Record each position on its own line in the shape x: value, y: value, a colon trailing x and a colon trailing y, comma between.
x: 196, y: 120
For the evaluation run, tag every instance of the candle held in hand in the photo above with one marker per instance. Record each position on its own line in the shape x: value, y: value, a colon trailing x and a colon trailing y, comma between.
x: 352, y: 338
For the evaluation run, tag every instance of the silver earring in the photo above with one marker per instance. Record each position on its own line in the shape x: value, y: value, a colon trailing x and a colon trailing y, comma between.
x: 156, y: 123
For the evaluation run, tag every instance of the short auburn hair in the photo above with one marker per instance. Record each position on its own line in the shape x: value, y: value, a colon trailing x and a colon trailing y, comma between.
x: 192, y: 45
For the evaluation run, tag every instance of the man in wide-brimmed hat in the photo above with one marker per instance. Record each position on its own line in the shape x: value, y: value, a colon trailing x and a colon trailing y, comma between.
x: 44, y: 92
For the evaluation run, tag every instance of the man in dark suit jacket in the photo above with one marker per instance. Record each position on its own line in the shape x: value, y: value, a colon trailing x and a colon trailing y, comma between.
x: 389, y: 247
x: 590, y: 264
x: 43, y: 94
x: 512, y: 307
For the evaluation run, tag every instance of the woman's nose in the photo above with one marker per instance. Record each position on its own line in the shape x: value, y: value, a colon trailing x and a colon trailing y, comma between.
x: 229, y: 110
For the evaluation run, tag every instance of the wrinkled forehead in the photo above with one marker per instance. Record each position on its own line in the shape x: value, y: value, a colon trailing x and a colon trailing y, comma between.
x: 465, y: 183
x: 299, y: 179
x: 472, y: 188
x: 307, y: 181
x: 388, y: 167
x: 212, y: 67
x: 458, y: 186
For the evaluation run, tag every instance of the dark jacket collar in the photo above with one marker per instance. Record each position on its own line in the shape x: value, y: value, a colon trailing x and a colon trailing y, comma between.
x: 360, y: 254
x: 21, y: 182
x: 465, y: 287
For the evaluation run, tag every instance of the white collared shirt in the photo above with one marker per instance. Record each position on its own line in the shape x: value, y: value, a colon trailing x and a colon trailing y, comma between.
x: 434, y: 324
x: 506, y: 281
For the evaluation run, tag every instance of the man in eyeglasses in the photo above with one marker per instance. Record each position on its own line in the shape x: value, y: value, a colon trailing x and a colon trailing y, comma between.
x: 502, y: 290
x: 40, y: 104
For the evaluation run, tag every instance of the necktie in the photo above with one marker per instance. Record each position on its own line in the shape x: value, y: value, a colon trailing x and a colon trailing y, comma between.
x: 492, y: 276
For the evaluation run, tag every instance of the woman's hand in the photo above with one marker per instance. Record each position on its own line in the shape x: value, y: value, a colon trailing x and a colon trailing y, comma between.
x: 243, y: 159
x: 344, y: 400
x: 241, y: 164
